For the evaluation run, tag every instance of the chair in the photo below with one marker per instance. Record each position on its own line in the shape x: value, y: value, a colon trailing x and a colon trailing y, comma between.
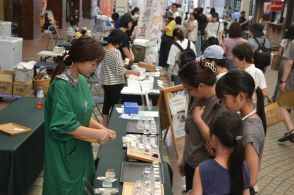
x: 87, y: 187
x: 53, y: 35
x: 93, y: 80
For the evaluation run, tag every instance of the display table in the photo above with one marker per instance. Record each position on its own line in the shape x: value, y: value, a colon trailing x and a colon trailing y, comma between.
x: 21, y: 156
x: 134, y: 96
x: 112, y: 154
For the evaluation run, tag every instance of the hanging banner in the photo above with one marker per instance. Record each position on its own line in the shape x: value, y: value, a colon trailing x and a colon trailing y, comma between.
x: 150, y: 21
x: 106, y: 7
x: 122, y: 7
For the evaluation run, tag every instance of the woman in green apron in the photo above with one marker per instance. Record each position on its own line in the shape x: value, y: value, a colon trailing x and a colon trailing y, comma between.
x: 68, y: 110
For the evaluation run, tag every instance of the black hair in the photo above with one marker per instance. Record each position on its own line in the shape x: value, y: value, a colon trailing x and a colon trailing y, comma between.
x: 186, y: 15
x: 179, y: 33
x: 115, y: 37
x: 243, y: 51
x: 82, y: 50
x: 194, y: 73
x: 228, y: 128
x: 215, y: 15
x: 178, y: 20
x: 199, y: 10
x: 72, y: 23
x: 212, y: 10
x: 195, y: 14
x: 236, y: 81
x: 219, y: 62
x: 289, y: 34
x: 125, y: 20
x: 175, y: 4
x: 114, y: 16
x: 136, y: 9
x: 209, y: 42
x: 235, y: 30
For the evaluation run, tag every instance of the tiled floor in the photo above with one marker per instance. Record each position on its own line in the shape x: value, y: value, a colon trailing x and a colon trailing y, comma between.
x: 277, y: 168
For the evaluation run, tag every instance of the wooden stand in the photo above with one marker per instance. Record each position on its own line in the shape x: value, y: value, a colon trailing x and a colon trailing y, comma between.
x: 166, y: 115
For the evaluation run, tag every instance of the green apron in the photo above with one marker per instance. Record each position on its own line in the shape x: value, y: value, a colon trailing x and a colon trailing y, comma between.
x: 67, y: 160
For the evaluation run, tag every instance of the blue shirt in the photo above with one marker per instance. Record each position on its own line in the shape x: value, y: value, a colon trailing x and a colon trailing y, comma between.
x: 216, y: 179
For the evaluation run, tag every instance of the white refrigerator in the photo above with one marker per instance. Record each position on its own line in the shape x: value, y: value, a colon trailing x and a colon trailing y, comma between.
x: 10, y: 52
x: 5, y: 28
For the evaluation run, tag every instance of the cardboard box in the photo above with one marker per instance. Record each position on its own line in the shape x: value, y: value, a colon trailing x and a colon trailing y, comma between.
x: 23, y: 89
x: 149, y: 67
x: 23, y: 75
x: 6, y: 82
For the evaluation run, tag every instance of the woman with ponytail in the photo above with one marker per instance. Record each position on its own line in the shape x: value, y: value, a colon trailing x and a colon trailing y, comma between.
x: 236, y: 89
x: 227, y: 173
x: 68, y: 109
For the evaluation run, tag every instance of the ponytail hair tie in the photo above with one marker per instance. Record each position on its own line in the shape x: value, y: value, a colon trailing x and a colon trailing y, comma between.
x: 65, y: 57
x: 67, y: 60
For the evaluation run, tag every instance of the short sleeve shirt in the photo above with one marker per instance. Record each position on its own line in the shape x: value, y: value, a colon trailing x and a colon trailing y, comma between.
x: 170, y: 28
x: 257, y: 75
x: 174, y: 54
x: 289, y: 54
x: 195, y: 151
x: 125, y: 43
x: 253, y: 133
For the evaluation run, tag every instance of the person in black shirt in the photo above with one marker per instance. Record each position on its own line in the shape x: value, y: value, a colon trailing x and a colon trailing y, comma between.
x: 126, y: 23
x: 243, y: 22
x: 202, y: 22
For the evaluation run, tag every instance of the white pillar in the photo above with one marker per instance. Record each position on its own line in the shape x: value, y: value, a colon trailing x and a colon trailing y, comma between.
x: 245, y: 4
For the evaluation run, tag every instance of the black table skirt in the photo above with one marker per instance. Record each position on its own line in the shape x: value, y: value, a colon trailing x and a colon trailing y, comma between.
x: 21, y: 156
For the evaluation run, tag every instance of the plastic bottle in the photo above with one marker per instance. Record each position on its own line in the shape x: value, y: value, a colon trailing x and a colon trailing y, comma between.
x: 40, y: 98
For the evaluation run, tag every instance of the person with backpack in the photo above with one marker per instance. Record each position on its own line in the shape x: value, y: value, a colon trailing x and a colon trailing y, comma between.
x: 242, y: 58
x: 227, y: 173
x: 181, y: 52
x: 260, y: 46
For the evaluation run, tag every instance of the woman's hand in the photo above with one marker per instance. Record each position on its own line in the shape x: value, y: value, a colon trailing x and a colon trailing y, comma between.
x: 181, y: 168
x: 197, y: 113
x: 104, y: 137
x: 111, y: 134
x: 136, y: 72
x: 282, y: 86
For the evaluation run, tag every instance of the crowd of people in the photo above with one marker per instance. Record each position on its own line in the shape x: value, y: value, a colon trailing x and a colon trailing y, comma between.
x: 225, y: 124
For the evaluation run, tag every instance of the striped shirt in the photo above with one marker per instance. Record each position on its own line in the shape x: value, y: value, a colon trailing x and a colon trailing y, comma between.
x: 112, y: 69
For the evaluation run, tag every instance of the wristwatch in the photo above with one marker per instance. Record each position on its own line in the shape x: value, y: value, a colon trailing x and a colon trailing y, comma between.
x: 281, y: 81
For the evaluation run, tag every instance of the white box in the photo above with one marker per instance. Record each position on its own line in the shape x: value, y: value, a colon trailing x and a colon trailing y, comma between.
x: 5, y: 28
x: 146, y: 84
x: 10, y: 52
x: 23, y: 75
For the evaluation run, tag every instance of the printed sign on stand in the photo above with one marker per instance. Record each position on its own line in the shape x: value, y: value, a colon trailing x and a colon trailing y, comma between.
x: 173, y: 107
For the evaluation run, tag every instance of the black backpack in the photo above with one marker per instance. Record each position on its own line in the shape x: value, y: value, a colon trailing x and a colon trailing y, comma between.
x: 186, y: 55
x: 262, y: 56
